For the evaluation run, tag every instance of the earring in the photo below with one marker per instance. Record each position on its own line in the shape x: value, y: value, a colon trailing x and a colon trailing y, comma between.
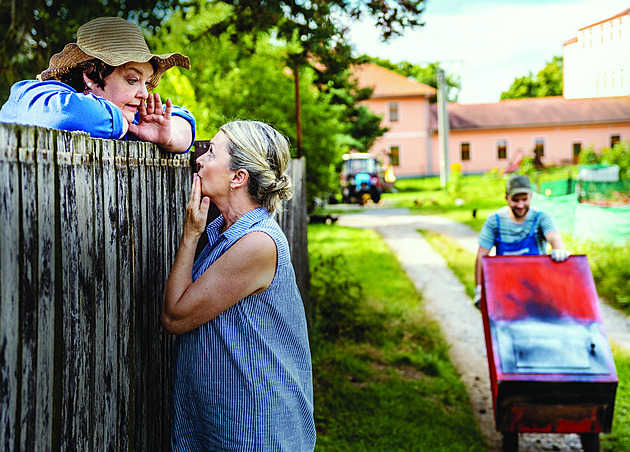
x: 89, y: 84
x: 231, y: 188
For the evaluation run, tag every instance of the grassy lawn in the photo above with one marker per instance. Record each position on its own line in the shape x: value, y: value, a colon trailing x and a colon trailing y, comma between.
x: 461, y: 262
x: 383, y: 380
x: 381, y: 370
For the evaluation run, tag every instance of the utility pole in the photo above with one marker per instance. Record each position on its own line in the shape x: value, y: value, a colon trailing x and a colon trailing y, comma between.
x: 443, y: 129
x: 298, y: 107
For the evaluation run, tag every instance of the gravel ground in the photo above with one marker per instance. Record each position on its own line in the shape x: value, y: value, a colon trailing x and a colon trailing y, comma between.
x: 448, y: 303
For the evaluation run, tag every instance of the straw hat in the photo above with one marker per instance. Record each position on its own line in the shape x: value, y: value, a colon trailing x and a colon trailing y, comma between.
x: 114, y: 41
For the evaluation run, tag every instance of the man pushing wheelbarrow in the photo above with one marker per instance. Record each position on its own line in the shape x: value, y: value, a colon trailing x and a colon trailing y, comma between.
x: 550, y: 363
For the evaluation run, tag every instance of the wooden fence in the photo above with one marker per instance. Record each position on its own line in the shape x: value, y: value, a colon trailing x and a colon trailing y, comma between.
x: 89, y: 230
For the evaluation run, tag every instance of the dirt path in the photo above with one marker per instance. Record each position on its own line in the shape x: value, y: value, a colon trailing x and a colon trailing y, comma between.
x: 448, y: 303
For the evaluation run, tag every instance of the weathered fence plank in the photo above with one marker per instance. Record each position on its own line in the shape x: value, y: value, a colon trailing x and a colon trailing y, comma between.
x: 100, y: 390
x: 125, y: 310
x: 292, y: 220
x: 9, y: 287
x: 47, y: 256
x: 110, y: 300
x: 75, y: 364
x: 28, y: 286
x: 140, y: 360
x: 90, y: 229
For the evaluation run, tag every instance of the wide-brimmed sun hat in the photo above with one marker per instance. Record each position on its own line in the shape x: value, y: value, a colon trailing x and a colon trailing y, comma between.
x: 115, y: 41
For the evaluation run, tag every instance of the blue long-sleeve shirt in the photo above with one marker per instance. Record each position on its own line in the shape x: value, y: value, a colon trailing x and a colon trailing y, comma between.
x: 55, y: 105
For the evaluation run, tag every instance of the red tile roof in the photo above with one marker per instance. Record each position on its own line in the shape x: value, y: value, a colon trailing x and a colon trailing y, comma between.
x: 535, y: 112
x: 388, y: 83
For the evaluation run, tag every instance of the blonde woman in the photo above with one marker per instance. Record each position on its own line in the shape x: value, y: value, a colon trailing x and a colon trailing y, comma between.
x: 101, y: 85
x: 243, y: 369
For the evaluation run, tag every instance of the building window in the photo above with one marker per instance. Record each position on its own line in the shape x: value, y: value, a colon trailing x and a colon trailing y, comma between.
x: 539, y: 148
x: 614, y: 139
x: 394, y: 155
x: 393, y: 111
x: 501, y: 149
x: 577, y: 148
x: 465, y: 147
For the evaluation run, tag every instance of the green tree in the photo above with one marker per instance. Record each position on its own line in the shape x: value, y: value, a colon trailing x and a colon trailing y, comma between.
x: 31, y: 31
x: 548, y: 82
x: 315, y: 32
x: 224, y: 84
x: 424, y: 74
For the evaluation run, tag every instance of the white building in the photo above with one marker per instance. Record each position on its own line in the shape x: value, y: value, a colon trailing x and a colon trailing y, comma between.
x: 597, y: 60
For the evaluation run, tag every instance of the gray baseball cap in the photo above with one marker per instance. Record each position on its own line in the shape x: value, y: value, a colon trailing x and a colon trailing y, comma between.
x: 517, y: 185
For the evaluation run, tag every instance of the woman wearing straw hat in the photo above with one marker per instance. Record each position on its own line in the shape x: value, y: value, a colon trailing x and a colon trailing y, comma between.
x: 243, y: 377
x: 100, y: 85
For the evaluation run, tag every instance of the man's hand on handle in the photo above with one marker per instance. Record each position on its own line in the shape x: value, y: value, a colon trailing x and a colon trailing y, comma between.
x: 477, y: 299
x: 559, y: 255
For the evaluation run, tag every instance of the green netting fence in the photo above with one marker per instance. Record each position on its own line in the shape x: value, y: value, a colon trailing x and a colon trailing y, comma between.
x: 586, y: 190
x: 585, y: 220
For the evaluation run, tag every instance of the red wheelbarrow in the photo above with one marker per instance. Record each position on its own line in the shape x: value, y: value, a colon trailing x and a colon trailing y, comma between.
x: 551, y: 367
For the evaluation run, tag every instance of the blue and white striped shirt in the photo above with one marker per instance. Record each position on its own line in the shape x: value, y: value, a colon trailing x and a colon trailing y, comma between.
x: 243, y: 381
x: 513, y: 232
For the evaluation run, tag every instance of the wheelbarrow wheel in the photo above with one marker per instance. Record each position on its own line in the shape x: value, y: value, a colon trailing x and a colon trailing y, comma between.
x: 590, y: 442
x: 509, y: 442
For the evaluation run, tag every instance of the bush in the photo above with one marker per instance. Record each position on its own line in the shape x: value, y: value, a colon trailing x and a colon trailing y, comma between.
x: 618, y: 155
x: 338, y: 302
x: 609, y: 266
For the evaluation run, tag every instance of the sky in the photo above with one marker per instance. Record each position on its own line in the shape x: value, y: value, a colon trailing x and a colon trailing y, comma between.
x: 488, y: 43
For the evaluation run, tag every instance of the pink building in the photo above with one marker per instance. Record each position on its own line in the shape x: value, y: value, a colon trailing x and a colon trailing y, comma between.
x: 497, y: 135
x: 404, y: 106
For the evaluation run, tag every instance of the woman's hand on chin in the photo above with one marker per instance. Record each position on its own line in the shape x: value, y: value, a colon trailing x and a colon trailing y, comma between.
x: 196, y: 211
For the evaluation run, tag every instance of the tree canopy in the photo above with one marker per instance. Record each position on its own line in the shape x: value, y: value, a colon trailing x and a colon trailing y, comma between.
x: 548, y: 82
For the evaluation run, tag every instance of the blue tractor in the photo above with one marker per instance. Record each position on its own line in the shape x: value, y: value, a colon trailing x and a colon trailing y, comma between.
x: 362, y: 178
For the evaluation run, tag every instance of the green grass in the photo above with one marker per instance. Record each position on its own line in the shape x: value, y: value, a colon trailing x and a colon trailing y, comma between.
x: 609, y: 265
x: 462, y: 263
x: 382, y: 377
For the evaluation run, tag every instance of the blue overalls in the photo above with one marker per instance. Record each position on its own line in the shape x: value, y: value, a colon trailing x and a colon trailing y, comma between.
x: 526, y: 246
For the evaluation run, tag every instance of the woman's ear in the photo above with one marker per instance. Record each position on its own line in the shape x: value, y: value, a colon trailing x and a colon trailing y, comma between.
x: 88, y: 83
x: 240, y: 178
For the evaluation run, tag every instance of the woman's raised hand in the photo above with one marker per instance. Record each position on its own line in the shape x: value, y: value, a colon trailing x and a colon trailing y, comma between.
x: 154, y: 121
x: 196, y: 211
